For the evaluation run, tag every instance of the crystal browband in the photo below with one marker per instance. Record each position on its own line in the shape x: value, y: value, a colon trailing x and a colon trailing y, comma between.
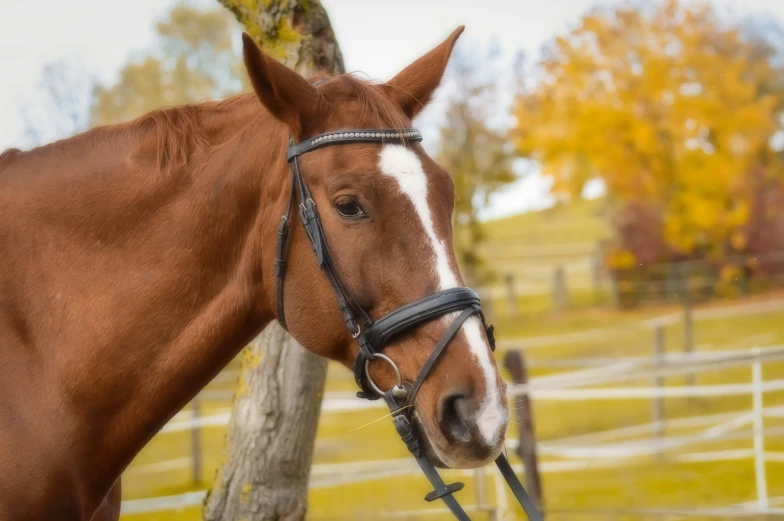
x: 411, y: 134
x: 354, y: 136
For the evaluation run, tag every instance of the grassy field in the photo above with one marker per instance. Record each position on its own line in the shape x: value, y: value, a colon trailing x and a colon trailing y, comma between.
x: 531, y: 247
x: 640, y: 483
x: 577, y: 222
x: 610, y: 489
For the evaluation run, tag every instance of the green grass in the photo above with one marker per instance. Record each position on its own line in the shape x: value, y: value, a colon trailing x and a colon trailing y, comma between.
x: 588, y: 495
x: 656, y: 485
x: 576, y: 222
x: 529, y: 246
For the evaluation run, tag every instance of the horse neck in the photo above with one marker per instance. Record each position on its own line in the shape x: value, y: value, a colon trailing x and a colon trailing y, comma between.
x: 165, y: 279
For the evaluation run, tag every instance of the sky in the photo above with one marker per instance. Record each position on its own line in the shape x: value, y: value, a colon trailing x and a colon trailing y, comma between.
x: 377, y: 37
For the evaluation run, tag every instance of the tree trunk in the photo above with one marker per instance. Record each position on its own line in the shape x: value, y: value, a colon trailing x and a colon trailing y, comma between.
x: 275, y: 414
x: 296, y: 32
x: 271, y: 433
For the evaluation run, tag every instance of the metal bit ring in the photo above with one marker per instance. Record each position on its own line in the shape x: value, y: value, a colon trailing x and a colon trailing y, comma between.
x: 398, y: 390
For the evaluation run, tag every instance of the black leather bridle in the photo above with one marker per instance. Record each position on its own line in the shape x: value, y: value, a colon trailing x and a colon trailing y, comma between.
x: 372, y: 335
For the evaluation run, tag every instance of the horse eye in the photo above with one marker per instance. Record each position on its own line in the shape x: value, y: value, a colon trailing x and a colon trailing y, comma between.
x: 350, y: 209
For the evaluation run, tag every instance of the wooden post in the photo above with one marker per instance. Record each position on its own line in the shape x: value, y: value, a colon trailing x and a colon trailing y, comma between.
x: 759, y: 433
x: 560, y: 292
x: 196, y: 440
x: 674, y: 288
x: 615, y: 290
x: 688, y: 337
x: 658, y: 401
x: 486, y: 296
x: 597, y: 277
x: 515, y: 364
x: 511, y: 296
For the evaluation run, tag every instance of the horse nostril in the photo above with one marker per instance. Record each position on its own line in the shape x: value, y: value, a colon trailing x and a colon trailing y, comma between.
x: 453, y: 414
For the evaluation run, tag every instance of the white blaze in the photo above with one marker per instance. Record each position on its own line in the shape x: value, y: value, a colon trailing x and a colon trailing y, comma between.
x: 404, y: 166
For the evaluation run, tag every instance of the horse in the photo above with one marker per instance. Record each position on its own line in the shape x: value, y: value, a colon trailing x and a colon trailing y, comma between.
x: 138, y: 260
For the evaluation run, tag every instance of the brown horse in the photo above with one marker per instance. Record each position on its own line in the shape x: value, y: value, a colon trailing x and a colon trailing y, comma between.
x: 137, y: 261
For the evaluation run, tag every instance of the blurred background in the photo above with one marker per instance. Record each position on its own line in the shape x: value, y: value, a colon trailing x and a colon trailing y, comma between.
x: 619, y: 168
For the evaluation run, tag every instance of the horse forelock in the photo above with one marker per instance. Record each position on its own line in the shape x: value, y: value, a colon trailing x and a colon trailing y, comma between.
x: 376, y: 108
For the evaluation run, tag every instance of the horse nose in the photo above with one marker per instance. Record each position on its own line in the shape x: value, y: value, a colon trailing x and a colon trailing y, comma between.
x: 456, y: 412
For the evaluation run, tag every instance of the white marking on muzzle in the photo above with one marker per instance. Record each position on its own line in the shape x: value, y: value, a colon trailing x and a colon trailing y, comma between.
x: 405, y: 167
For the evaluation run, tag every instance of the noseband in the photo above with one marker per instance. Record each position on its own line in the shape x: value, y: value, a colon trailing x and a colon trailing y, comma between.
x: 371, y: 335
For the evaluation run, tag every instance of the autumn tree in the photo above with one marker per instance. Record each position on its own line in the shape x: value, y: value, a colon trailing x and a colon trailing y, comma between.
x: 273, y: 424
x: 675, y: 110
x: 194, y: 59
x: 475, y: 148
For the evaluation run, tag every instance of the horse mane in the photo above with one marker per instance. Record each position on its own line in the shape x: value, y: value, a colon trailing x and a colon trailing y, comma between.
x: 6, y: 156
x: 179, y: 131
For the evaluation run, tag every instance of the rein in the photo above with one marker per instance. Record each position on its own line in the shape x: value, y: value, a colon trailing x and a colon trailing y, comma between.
x: 373, y: 336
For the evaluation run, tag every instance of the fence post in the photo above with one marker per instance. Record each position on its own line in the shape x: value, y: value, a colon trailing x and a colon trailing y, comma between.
x: 501, y: 504
x: 560, y: 290
x: 486, y: 296
x: 511, y: 296
x: 658, y: 382
x: 196, y: 440
x: 759, y: 433
x: 688, y: 337
x: 597, y: 274
x: 480, y: 491
x: 515, y: 364
x: 673, y: 286
x: 615, y: 290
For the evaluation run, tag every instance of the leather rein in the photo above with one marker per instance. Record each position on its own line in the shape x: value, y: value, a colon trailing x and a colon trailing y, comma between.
x: 372, y: 335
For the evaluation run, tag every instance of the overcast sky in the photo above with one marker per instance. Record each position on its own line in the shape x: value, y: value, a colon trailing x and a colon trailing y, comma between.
x: 378, y: 37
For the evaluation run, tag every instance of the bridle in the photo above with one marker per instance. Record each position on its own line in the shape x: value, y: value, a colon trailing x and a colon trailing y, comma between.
x: 372, y: 335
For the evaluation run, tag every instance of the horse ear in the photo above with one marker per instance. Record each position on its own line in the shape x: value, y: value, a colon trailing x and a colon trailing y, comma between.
x: 286, y: 94
x: 413, y: 87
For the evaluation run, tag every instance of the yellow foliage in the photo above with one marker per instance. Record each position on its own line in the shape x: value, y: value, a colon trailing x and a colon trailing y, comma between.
x: 738, y: 241
x: 620, y: 259
x: 729, y: 273
x: 728, y: 281
x: 666, y: 105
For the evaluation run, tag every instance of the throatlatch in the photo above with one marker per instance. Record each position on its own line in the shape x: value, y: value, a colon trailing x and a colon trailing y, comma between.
x: 373, y: 336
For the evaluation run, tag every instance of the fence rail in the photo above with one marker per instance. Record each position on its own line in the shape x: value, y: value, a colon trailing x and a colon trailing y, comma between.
x: 604, y: 449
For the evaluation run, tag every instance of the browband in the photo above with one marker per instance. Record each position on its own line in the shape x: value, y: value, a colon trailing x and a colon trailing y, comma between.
x: 353, y: 136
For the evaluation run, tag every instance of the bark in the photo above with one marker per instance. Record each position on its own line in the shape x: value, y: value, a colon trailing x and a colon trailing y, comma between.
x: 296, y: 32
x: 272, y: 431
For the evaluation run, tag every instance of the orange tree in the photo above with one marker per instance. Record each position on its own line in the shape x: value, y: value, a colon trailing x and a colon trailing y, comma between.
x: 675, y: 111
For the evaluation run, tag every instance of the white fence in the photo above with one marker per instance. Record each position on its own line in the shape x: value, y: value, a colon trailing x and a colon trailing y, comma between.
x: 611, y: 448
